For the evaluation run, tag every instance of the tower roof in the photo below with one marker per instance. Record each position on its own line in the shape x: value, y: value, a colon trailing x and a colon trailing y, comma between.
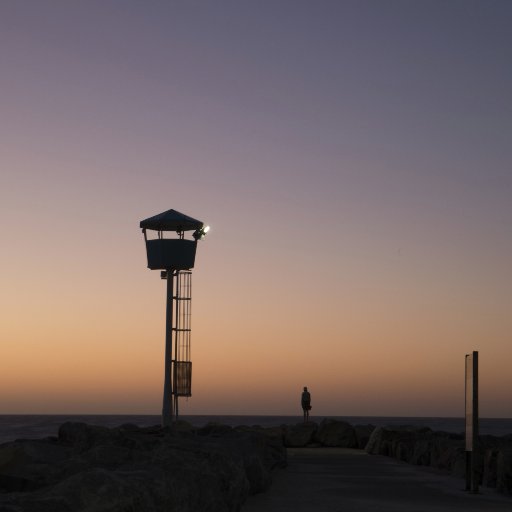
x: 171, y: 220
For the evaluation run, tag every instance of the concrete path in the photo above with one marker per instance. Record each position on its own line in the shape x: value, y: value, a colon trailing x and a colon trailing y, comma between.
x: 342, y: 480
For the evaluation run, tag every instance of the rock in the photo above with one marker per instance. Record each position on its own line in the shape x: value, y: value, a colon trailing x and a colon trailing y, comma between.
x: 446, y: 451
x: 256, y: 453
x: 248, y: 428
x: 490, y: 476
x: 129, y: 427
x: 214, y: 429
x: 336, y: 433
x: 137, y: 469
x: 363, y: 433
x: 276, y: 433
x: 504, y: 471
x: 448, y: 454
x: 421, y: 451
x: 28, y: 465
x: 81, y: 436
x: 415, y: 446
x: 183, y: 426
x: 300, y: 435
x: 271, y: 432
x: 405, y: 443
x: 379, y: 442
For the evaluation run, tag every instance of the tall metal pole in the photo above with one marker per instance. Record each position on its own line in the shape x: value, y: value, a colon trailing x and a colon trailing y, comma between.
x: 472, y: 439
x: 176, y: 345
x: 167, y: 404
x: 476, y: 441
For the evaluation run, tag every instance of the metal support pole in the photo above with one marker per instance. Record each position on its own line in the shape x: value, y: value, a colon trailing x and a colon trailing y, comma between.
x: 167, y: 403
x: 475, y: 455
x: 472, y: 434
x: 176, y: 346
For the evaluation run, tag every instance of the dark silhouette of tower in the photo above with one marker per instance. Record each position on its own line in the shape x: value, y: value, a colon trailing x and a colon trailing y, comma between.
x: 175, y: 258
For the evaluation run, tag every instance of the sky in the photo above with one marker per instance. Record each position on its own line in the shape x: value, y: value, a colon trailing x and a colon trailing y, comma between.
x: 353, y: 159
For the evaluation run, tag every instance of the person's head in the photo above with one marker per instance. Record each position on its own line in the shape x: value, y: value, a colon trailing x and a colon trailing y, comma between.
x: 305, y: 388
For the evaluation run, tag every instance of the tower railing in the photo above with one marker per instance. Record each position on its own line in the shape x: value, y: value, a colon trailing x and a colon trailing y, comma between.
x: 181, y: 363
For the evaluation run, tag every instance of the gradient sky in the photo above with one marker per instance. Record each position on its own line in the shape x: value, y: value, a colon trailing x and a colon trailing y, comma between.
x: 352, y: 157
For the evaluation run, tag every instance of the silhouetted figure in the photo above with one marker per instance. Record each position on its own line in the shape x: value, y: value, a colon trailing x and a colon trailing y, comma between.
x: 306, y: 403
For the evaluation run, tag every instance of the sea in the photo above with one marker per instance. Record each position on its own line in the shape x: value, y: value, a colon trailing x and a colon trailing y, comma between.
x: 33, y: 426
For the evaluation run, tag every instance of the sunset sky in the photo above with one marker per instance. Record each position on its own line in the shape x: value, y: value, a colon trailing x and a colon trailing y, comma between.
x: 353, y: 158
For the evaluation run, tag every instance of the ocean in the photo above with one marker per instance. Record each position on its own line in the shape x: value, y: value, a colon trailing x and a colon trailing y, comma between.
x: 33, y: 426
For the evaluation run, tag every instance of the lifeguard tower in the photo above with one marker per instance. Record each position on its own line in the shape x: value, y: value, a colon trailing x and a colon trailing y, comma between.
x: 174, y: 257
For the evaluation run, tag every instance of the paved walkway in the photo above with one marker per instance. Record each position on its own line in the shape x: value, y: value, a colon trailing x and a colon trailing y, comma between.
x: 342, y: 480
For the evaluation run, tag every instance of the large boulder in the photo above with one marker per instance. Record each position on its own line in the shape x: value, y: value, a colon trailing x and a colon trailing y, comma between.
x: 380, y: 442
x: 214, y: 429
x: 29, y: 465
x: 490, y: 477
x: 277, y: 433
x: 300, y: 435
x: 363, y: 433
x: 504, y: 471
x: 447, y: 453
x: 257, y: 453
x: 332, y: 432
x: 81, y: 436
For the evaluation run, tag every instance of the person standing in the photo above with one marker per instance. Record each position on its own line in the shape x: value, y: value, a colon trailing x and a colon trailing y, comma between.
x: 306, y: 403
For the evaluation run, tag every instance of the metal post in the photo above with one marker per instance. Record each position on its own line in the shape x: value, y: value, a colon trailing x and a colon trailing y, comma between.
x: 467, y: 424
x: 167, y: 404
x: 468, y: 471
x: 476, y: 444
x: 471, y: 412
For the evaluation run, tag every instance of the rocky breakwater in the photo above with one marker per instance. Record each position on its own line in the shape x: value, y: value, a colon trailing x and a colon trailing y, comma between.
x: 446, y: 451
x: 329, y: 433
x: 130, y: 469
